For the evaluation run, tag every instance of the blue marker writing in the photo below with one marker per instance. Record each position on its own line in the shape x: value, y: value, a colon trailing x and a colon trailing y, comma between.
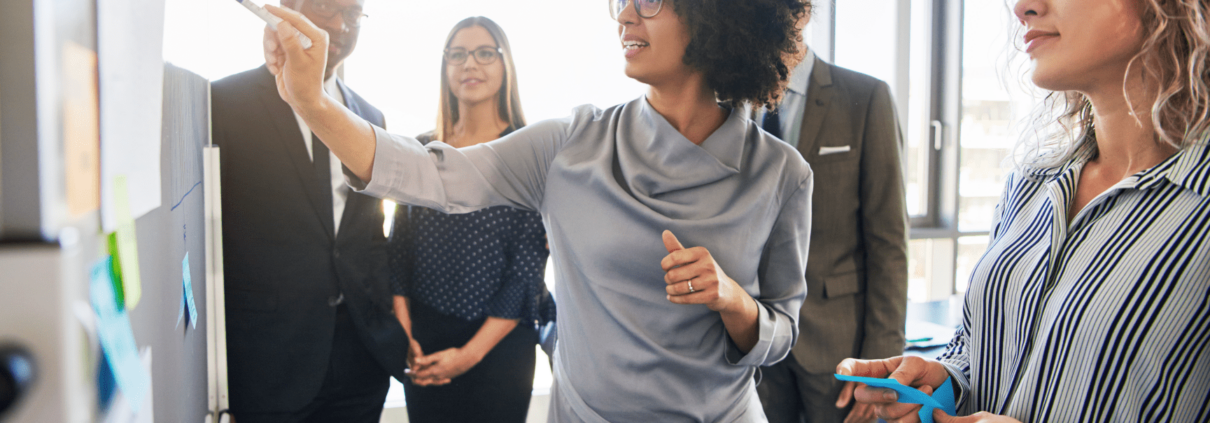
x: 272, y: 20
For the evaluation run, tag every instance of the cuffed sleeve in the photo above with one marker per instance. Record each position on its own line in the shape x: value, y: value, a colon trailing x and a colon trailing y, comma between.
x: 957, y: 362
x: 525, y: 264
x: 783, y: 284
x: 775, y: 330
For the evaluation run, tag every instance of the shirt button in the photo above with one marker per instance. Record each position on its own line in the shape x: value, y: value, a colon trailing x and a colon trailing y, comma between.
x: 336, y: 253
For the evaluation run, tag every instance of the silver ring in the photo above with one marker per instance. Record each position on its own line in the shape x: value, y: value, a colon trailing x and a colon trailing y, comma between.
x: 690, y: 282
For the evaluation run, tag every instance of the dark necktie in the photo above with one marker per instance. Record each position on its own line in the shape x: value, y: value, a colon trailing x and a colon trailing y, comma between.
x: 771, y: 123
x: 323, y: 175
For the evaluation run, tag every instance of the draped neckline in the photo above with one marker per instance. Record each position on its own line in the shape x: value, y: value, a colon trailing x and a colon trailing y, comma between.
x: 656, y: 159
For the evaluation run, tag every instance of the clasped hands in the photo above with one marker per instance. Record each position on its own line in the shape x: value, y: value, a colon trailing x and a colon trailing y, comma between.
x: 920, y: 373
x: 438, y: 368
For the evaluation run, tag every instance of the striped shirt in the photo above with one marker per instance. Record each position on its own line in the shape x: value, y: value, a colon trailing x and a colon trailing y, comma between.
x: 1105, y: 318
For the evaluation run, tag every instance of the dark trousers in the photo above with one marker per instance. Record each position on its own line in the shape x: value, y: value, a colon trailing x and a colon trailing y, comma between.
x: 791, y: 395
x: 498, y: 389
x: 354, y: 388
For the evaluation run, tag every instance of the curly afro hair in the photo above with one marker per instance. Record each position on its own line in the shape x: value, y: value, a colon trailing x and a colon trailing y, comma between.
x: 745, y: 48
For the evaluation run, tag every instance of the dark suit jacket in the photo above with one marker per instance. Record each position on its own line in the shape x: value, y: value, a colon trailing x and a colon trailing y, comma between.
x: 283, y: 267
x: 857, y: 264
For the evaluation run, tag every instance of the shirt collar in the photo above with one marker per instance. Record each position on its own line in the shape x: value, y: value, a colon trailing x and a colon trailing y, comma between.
x: 655, y: 158
x: 801, y: 75
x: 1188, y: 168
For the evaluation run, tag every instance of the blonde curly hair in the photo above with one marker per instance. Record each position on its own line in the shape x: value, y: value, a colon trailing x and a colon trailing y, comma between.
x: 1172, y: 62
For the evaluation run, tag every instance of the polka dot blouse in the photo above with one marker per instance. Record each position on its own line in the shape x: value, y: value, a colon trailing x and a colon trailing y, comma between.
x: 489, y: 262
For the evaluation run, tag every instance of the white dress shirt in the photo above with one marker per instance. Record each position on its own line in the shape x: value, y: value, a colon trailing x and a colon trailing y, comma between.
x: 340, y: 192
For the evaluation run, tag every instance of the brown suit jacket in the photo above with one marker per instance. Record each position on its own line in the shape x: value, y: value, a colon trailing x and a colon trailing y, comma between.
x: 857, y: 265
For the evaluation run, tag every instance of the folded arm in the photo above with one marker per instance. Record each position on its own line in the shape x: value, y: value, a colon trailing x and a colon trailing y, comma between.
x: 783, y: 285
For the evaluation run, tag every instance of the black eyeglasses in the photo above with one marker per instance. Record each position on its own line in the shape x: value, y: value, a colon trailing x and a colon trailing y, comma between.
x: 325, y: 9
x: 483, y: 55
x: 645, y: 8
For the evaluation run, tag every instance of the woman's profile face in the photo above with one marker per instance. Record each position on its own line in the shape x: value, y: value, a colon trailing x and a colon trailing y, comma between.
x: 1078, y: 45
x: 473, y: 82
x: 654, y: 47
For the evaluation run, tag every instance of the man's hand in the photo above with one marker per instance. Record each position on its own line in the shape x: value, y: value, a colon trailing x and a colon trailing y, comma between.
x: 916, y: 372
x: 442, y: 366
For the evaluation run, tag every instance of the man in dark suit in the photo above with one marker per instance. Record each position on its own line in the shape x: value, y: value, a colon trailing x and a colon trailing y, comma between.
x: 310, y: 334
x: 845, y: 126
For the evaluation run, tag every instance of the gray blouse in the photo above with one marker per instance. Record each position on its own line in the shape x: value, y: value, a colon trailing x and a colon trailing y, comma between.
x: 607, y: 183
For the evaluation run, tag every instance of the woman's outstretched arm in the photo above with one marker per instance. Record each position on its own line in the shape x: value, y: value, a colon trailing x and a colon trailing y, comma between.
x: 510, y: 171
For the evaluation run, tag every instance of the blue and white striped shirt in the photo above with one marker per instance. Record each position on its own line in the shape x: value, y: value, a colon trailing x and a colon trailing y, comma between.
x: 1103, y: 319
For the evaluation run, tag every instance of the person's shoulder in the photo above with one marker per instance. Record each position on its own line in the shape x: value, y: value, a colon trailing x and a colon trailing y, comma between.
x: 591, y: 113
x: 582, y: 118
x: 239, y: 83
x: 585, y: 113
x: 859, y: 86
x: 853, y: 78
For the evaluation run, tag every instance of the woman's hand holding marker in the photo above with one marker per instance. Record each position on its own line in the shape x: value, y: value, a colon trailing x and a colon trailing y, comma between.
x: 299, y: 71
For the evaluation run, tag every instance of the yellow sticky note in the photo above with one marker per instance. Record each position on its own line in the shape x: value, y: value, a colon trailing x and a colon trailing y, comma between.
x: 127, y: 244
x: 81, y: 130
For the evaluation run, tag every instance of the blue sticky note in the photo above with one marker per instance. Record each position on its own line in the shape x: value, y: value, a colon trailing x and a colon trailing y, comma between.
x: 105, y: 383
x: 180, y: 313
x: 943, y: 398
x: 116, y: 336
x: 188, y: 282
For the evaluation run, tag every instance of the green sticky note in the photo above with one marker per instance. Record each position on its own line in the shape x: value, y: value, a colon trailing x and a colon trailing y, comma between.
x: 115, y: 270
x: 127, y: 243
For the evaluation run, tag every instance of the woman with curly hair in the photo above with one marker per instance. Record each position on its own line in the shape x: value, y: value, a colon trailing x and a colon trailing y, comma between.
x: 1092, y: 302
x: 649, y: 330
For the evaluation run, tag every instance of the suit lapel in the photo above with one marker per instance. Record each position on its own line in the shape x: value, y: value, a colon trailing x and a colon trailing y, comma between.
x: 819, y: 100
x: 353, y: 201
x: 290, y: 140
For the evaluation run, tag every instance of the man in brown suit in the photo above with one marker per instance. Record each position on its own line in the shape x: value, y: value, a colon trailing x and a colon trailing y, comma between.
x: 844, y: 124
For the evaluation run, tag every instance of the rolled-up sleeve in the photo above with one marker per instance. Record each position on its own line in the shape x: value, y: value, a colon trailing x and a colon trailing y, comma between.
x: 783, y: 284
x: 510, y: 171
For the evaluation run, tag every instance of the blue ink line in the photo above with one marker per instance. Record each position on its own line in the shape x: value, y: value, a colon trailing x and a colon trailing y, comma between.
x: 178, y: 203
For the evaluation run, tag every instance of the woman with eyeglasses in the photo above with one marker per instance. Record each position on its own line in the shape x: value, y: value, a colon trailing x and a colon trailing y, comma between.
x: 678, y: 228
x: 469, y: 287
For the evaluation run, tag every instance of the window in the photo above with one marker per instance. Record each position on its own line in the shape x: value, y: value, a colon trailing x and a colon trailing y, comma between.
x: 961, y: 97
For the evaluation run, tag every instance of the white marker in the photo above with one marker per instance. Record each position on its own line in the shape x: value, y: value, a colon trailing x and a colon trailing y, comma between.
x: 272, y: 20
